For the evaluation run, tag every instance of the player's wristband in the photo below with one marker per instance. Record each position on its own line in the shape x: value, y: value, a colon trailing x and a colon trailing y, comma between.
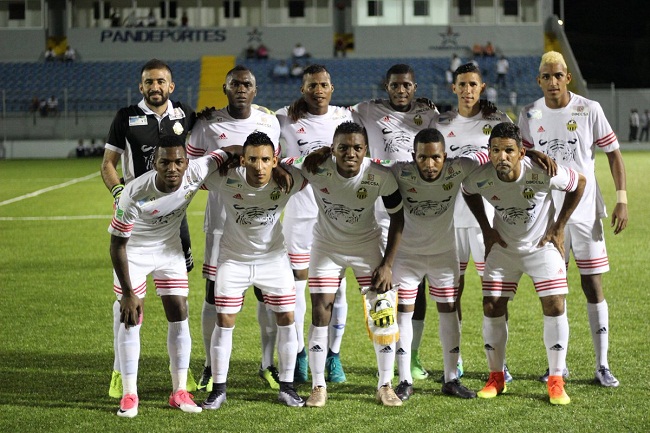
x: 117, y: 190
x: 621, y: 196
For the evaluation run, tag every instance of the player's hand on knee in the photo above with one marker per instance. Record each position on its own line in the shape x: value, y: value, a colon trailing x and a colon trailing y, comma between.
x: 491, y: 237
x: 130, y: 310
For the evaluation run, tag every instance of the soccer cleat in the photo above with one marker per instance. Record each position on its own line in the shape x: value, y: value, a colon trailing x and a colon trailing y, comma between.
x: 459, y: 372
x: 128, y: 406
x: 604, y: 377
x: 318, y: 397
x: 270, y: 375
x: 182, y: 400
x: 556, y: 392
x: 456, y: 389
x: 417, y: 371
x: 205, y: 384
x: 289, y: 396
x: 386, y: 396
x: 506, y: 374
x: 404, y: 390
x: 333, y: 368
x: 302, y: 365
x: 544, y: 377
x: 215, y: 399
x: 115, y: 389
x: 190, y: 383
x: 495, y: 385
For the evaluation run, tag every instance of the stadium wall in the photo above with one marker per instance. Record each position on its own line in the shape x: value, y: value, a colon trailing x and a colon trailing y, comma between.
x: 22, y: 45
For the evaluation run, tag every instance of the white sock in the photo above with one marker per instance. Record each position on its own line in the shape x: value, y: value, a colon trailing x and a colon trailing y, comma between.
x: 299, y: 312
x: 556, y: 340
x: 495, y: 336
x: 385, y: 360
x: 460, y: 330
x: 599, y: 324
x: 220, y: 351
x: 116, y: 330
x: 339, y: 317
x: 129, y: 349
x: 403, y: 354
x: 179, y: 346
x: 449, y: 330
x: 418, y: 330
x: 268, y: 333
x: 287, y: 351
x: 208, y: 322
x: 317, y: 354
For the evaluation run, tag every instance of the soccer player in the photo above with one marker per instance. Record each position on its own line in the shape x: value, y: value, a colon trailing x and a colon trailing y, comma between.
x: 526, y: 238
x: 145, y: 241
x: 133, y: 137
x: 429, y: 186
x: 466, y: 131
x: 308, y: 124
x: 251, y: 252
x: 391, y: 125
x: 214, y: 129
x: 346, y: 234
x: 569, y: 128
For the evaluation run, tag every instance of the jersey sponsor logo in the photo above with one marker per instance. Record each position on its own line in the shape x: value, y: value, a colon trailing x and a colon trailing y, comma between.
x: 301, y: 131
x: 119, y: 214
x: 533, y: 179
x: 571, y: 125
x: 534, y: 114
x: 580, y: 111
x: 233, y: 183
x: 541, y: 129
x: 528, y: 193
x: 177, y: 113
x: 428, y: 207
x: 178, y: 128
x: 487, y: 129
x: 323, y: 172
x: 362, y: 193
x: 452, y: 173
x: 138, y: 121
x: 407, y: 174
x: 417, y: 120
x: 369, y: 182
x: 485, y: 183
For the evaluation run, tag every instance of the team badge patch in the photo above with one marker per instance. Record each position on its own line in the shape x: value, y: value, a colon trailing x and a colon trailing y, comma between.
x: 275, y: 194
x: 487, y: 129
x: 137, y: 120
x: 362, y: 193
x: 447, y: 186
x: 178, y: 128
x: 571, y: 125
x: 417, y: 119
x: 528, y: 193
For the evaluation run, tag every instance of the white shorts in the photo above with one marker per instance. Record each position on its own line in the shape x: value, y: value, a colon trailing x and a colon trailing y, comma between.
x: 587, y: 241
x: 298, y: 236
x: 470, y: 240
x: 441, y: 271
x: 274, y: 278
x: 167, y: 267
x: 326, y: 268
x: 212, y: 241
x: 545, y: 266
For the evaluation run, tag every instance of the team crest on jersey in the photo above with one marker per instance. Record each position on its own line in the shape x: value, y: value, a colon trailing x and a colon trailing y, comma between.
x: 177, y: 114
x: 528, y: 193
x: 534, y: 114
x: 233, y: 183
x: 417, y: 120
x: 189, y: 195
x: 178, y: 128
x: 137, y: 120
x: 487, y: 129
x: 275, y: 194
x: 571, y: 125
x: 362, y: 193
x: 447, y: 186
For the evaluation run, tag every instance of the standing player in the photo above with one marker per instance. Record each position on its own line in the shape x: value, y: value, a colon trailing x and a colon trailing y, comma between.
x: 133, y: 138
x: 568, y: 128
x: 466, y: 132
x: 252, y: 251
x: 215, y: 129
x: 307, y: 125
x: 525, y: 239
x: 391, y: 125
x: 144, y: 241
x: 346, y: 234
x: 429, y: 186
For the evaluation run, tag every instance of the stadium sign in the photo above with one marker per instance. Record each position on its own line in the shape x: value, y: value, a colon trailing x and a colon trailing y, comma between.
x: 162, y: 35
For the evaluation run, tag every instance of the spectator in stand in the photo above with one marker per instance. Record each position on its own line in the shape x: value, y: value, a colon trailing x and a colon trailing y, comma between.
x: 296, y: 70
x: 34, y: 105
x: 70, y: 54
x: 455, y: 62
x: 299, y: 52
x: 79, y: 150
x: 42, y: 107
x: 50, y: 55
x: 52, y: 105
x: 502, y: 71
x: 340, y: 47
x: 281, y: 70
x: 262, y: 52
x: 250, y: 52
x: 645, y: 123
x: 185, y: 20
x: 634, y: 125
x: 449, y: 77
x: 116, y: 19
x: 477, y: 50
x: 488, y: 50
x: 491, y: 95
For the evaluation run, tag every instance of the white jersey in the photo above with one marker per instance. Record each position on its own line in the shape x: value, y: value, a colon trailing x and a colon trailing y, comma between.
x: 303, y: 137
x: 346, y: 210
x: 570, y: 135
x: 151, y: 218
x: 221, y: 129
x: 252, y: 231
x: 431, y: 204
x: 390, y: 132
x: 466, y: 136
x: 524, y: 208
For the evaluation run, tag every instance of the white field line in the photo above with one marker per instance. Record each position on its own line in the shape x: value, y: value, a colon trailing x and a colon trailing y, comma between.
x: 73, y: 217
x: 48, y: 189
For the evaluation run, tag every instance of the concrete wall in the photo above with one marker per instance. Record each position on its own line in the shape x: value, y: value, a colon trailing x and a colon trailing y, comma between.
x: 617, y: 104
x: 22, y: 45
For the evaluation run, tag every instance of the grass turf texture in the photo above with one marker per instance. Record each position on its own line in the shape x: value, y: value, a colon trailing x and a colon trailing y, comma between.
x: 56, y: 342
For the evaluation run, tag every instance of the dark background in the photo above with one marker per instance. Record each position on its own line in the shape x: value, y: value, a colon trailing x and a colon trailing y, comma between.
x: 610, y: 39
